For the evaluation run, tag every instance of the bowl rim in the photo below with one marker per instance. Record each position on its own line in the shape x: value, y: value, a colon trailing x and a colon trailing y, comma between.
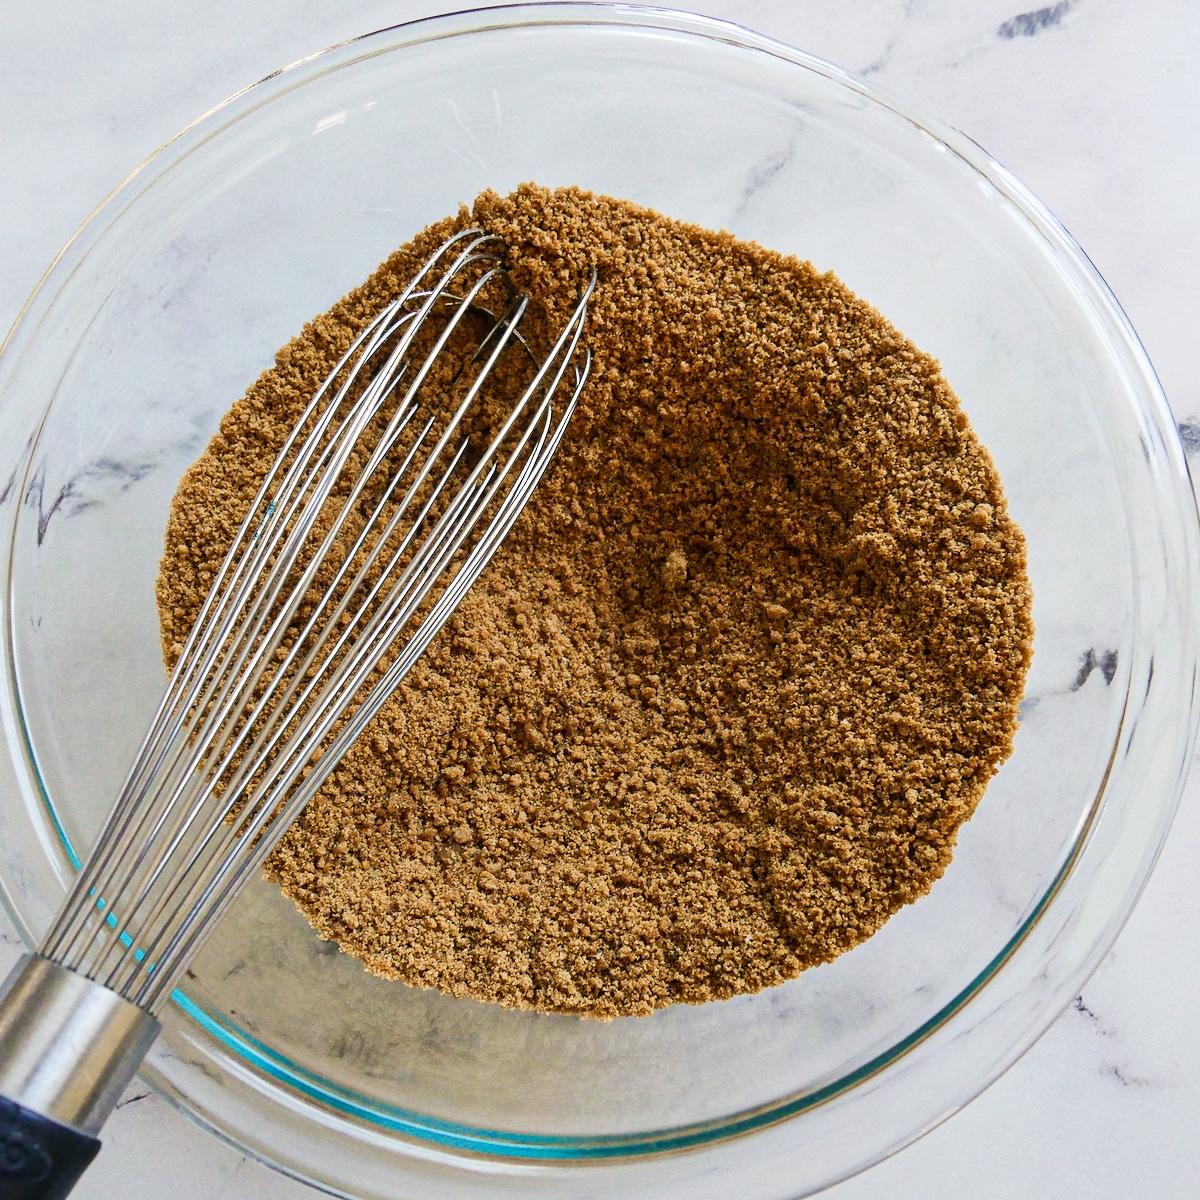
x: 1160, y: 436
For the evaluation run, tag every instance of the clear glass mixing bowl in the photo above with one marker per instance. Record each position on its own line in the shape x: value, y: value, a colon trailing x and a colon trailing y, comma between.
x: 174, y: 296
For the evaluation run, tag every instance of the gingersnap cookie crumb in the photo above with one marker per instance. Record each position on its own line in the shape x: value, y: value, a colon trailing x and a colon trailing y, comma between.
x: 733, y: 683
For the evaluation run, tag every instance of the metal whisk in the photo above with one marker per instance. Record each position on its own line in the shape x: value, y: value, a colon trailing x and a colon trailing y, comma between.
x: 372, y: 524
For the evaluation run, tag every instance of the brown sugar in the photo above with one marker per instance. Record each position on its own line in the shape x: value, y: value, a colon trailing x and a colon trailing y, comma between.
x: 730, y: 688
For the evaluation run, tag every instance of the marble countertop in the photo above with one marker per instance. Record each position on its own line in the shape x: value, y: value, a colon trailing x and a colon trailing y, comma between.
x: 1095, y: 105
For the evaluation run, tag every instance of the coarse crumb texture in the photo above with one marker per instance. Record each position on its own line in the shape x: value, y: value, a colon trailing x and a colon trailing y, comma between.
x: 721, y: 703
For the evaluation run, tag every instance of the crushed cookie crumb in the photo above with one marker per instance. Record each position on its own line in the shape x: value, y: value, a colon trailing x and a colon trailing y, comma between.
x: 732, y: 685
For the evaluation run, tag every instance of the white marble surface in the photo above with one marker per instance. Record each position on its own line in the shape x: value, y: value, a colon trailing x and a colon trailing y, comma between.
x: 1095, y: 104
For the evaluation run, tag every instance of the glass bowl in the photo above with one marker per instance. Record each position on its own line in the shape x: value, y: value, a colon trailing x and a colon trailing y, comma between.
x: 174, y: 296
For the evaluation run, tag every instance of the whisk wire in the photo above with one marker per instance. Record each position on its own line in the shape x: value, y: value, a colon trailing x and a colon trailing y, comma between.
x: 224, y: 611
x: 272, y: 716
x: 249, y: 728
x: 444, y: 606
x: 189, y: 662
x: 246, y: 567
x: 248, y: 677
x: 236, y: 870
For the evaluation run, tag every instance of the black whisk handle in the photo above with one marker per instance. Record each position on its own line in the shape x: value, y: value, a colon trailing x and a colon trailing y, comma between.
x: 40, y: 1159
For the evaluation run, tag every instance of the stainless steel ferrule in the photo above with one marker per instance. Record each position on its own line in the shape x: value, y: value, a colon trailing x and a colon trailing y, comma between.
x: 68, y: 1046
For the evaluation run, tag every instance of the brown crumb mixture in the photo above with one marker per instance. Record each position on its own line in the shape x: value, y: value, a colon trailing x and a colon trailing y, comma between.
x: 744, y: 667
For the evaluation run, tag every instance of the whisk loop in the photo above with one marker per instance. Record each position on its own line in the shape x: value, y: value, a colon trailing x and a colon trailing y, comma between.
x: 296, y: 648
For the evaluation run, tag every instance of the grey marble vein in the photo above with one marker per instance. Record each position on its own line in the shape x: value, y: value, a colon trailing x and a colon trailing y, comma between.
x: 1029, y: 24
x: 1104, y: 661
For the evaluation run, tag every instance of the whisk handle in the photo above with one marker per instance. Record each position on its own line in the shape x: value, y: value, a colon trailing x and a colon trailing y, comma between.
x: 39, y: 1158
x: 68, y: 1048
